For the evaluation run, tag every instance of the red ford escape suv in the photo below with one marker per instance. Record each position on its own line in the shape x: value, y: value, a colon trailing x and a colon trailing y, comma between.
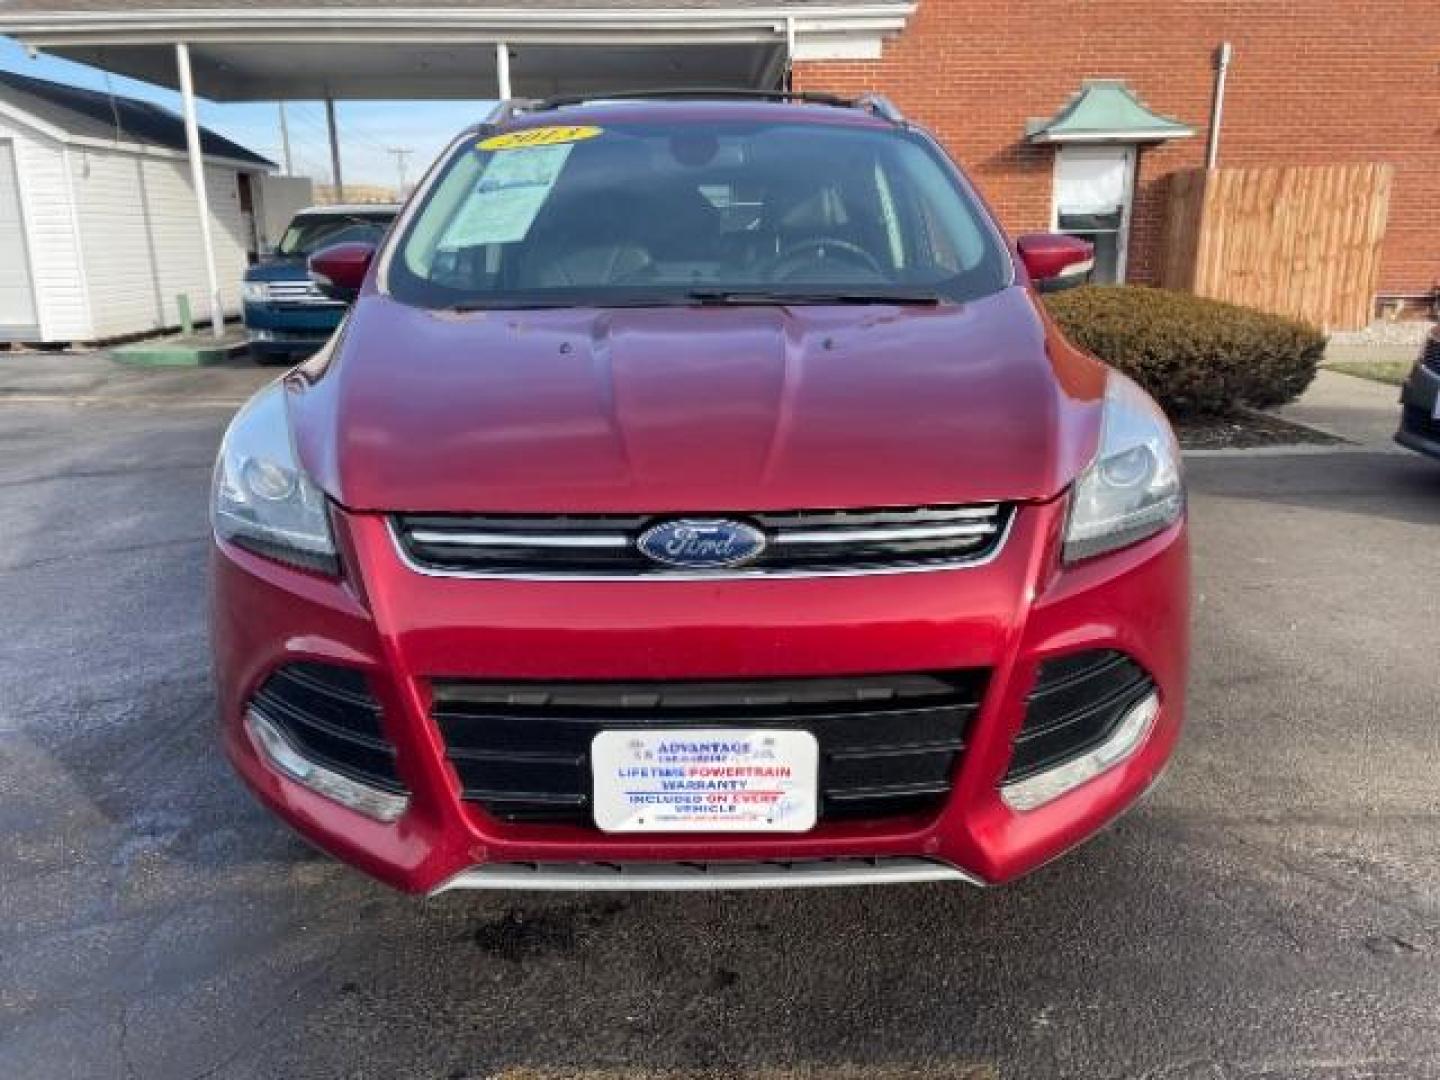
x: 697, y: 496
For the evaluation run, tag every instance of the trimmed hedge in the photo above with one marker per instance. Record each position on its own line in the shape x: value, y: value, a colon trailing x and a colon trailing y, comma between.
x: 1195, y: 356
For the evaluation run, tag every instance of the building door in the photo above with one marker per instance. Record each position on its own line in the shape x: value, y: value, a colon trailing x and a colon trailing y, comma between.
x: 1094, y: 189
x: 17, y: 296
x: 245, y: 183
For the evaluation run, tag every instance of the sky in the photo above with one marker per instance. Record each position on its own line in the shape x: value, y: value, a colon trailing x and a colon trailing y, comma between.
x: 367, y: 128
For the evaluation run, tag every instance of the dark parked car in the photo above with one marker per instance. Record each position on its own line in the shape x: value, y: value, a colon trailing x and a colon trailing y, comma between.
x: 285, y: 314
x: 1420, y: 401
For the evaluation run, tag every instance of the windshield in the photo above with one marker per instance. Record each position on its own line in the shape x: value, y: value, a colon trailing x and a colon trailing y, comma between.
x: 696, y: 212
x: 307, y: 232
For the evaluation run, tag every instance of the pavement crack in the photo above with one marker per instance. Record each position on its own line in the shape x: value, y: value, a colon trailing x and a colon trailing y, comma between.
x: 123, y: 1043
x: 1422, y: 913
x: 91, y: 553
x: 102, y: 474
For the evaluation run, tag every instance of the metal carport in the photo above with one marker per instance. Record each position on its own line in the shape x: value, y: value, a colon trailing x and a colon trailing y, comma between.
x: 371, y: 49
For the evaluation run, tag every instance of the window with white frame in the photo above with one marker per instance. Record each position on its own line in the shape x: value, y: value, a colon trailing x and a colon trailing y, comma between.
x: 1094, y: 189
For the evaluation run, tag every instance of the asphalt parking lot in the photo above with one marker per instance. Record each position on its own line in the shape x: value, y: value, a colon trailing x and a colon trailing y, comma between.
x: 1272, y: 911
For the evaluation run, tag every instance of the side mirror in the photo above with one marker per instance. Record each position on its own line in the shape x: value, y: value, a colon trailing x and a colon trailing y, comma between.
x: 1055, y: 261
x: 339, y: 270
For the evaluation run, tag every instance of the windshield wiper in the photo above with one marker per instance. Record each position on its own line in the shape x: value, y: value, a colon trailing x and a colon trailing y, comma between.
x: 516, y: 303
x: 507, y: 305
x: 701, y: 297
x: 764, y: 297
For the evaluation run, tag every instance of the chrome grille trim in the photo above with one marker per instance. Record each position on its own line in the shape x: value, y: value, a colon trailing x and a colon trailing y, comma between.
x: 898, y: 533
x: 299, y: 293
x: 480, y: 547
x: 701, y: 876
x: 478, y: 539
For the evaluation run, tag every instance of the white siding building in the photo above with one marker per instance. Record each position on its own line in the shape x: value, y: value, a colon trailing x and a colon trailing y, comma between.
x: 98, y: 230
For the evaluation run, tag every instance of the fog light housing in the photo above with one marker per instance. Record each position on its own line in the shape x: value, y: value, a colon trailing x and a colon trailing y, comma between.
x: 287, y: 760
x: 1127, y: 737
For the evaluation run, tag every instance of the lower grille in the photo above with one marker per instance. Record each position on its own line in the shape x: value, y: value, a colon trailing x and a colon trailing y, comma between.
x: 799, y: 542
x: 1076, y: 702
x: 330, y: 717
x: 888, y: 743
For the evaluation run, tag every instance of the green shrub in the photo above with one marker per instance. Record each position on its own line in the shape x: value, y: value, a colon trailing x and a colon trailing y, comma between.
x: 1195, y: 356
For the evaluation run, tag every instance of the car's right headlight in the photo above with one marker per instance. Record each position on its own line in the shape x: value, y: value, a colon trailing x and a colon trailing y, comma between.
x: 1133, y: 489
x: 255, y: 292
x: 261, y: 498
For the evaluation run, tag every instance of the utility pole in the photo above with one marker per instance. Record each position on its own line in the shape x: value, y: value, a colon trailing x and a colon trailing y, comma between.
x: 333, y: 131
x: 285, y: 140
x: 402, y: 156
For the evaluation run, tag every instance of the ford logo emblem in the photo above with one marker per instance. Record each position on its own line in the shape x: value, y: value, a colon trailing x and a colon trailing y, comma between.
x: 702, y: 545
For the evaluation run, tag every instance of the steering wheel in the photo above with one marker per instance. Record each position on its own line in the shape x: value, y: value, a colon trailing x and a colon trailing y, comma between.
x: 820, y: 249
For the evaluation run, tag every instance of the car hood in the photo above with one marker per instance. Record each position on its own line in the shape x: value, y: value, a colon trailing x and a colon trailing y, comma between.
x: 696, y: 409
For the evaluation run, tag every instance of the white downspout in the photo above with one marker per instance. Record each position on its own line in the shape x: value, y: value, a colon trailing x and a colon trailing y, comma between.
x: 197, y: 180
x: 789, y: 53
x: 1217, y: 105
x: 502, y: 70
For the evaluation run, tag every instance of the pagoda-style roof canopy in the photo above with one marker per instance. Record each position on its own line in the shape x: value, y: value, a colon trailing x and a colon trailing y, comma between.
x: 1105, y: 110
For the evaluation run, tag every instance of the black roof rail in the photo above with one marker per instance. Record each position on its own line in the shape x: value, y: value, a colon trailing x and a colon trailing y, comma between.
x: 876, y: 104
x: 881, y: 106
x: 508, y: 109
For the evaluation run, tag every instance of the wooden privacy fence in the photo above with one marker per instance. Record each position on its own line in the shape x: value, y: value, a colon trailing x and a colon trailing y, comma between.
x: 1298, y: 240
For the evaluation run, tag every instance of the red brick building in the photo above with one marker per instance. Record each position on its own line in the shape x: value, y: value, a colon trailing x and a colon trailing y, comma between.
x: 1324, y: 82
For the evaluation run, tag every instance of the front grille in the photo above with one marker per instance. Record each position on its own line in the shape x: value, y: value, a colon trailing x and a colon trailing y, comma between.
x: 799, y: 542
x: 330, y: 716
x: 888, y: 743
x: 1419, y: 422
x: 1076, y: 702
x: 303, y: 293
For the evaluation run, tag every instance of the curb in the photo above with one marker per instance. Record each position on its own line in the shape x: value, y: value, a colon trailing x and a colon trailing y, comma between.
x: 176, y: 354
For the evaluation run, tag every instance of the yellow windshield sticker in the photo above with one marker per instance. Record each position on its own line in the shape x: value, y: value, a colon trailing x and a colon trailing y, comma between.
x: 540, y: 136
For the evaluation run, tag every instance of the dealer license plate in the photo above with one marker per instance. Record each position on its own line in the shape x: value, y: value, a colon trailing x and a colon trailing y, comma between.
x: 705, y: 780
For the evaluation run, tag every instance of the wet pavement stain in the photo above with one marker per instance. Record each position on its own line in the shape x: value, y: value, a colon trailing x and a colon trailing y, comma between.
x: 517, y: 935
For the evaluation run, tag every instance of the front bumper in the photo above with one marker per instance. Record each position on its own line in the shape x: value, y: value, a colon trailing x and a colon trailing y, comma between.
x: 1419, y: 425
x: 404, y: 629
x: 290, y: 326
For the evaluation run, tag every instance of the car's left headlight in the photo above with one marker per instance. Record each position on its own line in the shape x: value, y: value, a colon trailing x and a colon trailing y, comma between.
x: 261, y: 499
x: 1133, y: 489
x: 256, y: 292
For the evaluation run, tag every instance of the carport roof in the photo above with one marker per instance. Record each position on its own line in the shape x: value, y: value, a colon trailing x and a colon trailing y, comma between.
x: 263, y: 49
x: 238, y: 7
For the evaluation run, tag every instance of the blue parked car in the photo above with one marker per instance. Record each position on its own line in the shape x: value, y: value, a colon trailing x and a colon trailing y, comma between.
x: 286, y: 316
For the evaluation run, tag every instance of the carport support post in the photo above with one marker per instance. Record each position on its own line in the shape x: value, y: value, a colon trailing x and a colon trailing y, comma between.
x: 334, y: 149
x: 197, y: 180
x: 285, y: 140
x: 502, y: 69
